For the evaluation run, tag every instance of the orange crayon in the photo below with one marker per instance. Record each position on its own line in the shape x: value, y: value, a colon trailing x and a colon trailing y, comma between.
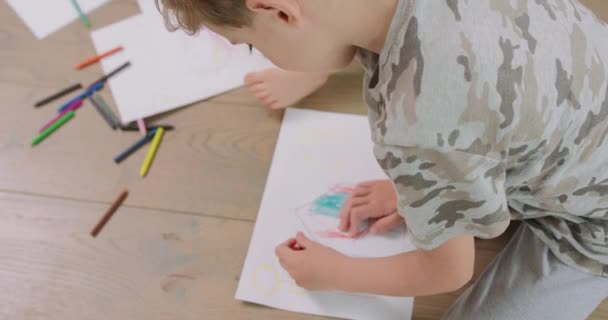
x: 98, y: 58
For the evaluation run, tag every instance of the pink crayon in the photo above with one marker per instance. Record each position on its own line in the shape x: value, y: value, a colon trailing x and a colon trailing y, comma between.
x: 71, y: 107
x: 142, y: 127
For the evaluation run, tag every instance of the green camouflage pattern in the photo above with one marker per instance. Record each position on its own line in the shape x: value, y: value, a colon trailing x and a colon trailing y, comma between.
x: 483, y: 112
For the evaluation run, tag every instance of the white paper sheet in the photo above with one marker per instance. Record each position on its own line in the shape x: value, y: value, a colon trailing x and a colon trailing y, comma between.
x: 44, y: 17
x: 318, y: 154
x: 147, y: 6
x: 169, y: 69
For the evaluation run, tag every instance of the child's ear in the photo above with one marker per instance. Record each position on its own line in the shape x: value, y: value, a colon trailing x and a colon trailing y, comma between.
x: 287, y: 11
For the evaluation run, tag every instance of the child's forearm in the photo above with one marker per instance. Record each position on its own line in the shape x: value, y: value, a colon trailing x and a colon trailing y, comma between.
x: 415, y: 273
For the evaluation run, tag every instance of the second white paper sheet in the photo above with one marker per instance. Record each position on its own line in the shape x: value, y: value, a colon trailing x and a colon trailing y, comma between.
x: 169, y: 69
x: 44, y: 17
x: 318, y: 158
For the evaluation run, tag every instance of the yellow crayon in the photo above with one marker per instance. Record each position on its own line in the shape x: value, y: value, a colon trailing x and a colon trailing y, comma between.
x: 152, y: 152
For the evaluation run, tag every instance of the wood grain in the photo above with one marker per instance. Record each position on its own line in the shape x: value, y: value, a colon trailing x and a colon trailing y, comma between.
x: 175, y: 250
x: 147, y: 264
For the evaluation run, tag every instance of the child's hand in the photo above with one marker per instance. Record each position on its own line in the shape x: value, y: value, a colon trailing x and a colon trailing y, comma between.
x: 371, y: 200
x: 309, y: 263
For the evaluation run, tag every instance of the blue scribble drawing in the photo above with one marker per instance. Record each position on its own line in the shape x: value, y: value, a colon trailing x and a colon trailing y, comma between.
x: 330, y: 204
x: 322, y: 216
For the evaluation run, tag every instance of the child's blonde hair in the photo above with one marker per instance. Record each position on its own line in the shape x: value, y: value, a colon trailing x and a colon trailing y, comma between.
x: 191, y: 15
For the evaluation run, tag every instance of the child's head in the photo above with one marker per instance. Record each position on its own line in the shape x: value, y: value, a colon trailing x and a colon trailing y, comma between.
x: 294, y: 34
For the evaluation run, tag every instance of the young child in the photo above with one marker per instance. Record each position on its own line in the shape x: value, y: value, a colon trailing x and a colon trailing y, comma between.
x: 482, y: 112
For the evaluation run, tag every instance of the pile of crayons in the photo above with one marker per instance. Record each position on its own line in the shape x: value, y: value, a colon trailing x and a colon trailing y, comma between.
x: 67, y: 111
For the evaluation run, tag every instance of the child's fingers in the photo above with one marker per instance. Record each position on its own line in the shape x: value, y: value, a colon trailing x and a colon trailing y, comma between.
x: 345, y: 215
x: 346, y: 206
x: 303, y: 241
x: 358, y: 201
x: 294, y: 245
x: 361, y: 234
x: 367, y: 184
x: 283, y: 252
x: 287, y: 243
x: 386, y: 223
x: 358, y: 215
x: 361, y: 191
x: 291, y: 242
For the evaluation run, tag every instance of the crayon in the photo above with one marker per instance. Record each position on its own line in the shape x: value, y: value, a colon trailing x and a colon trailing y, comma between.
x: 77, y: 104
x: 58, y: 95
x: 145, y: 167
x: 53, y: 128
x: 97, y: 58
x: 106, y: 217
x: 141, y: 125
x: 87, y: 93
x: 134, y: 127
x: 113, y: 72
x: 136, y: 146
x: 83, y: 17
x: 104, y: 110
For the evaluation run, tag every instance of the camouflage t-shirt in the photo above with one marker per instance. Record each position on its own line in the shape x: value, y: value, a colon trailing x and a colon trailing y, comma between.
x: 483, y: 112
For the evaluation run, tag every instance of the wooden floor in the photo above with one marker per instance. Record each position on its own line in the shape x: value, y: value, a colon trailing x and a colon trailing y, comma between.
x: 175, y: 250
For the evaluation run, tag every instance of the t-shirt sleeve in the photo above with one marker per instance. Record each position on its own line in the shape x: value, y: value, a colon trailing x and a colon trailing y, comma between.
x: 443, y: 194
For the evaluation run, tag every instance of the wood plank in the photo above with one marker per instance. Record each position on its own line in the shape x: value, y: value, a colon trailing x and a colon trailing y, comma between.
x: 229, y: 144
x: 213, y: 158
x: 600, y: 7
x: 146, y: 264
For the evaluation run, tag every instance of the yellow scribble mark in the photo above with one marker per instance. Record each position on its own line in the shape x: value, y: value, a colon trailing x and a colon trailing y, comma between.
x: 294, y: 289
x: 261, y: 284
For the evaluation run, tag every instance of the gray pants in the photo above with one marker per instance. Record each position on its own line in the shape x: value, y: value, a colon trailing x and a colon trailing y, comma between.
x: 527, y: 282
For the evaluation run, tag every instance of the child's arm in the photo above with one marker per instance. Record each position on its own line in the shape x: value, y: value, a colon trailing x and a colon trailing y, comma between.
x: 416, y: 273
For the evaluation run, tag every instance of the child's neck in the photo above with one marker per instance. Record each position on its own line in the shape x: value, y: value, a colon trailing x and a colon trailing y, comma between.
x: 364, y: 23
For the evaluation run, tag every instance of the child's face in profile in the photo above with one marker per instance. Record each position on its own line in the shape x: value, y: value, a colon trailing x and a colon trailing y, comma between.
x: 301, y: 45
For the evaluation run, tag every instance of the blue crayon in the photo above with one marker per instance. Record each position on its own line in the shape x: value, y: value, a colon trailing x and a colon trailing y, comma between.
x: 135, y: 146
x: 69, y: 103
x: 87, y: 93
x: 94, y: 87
